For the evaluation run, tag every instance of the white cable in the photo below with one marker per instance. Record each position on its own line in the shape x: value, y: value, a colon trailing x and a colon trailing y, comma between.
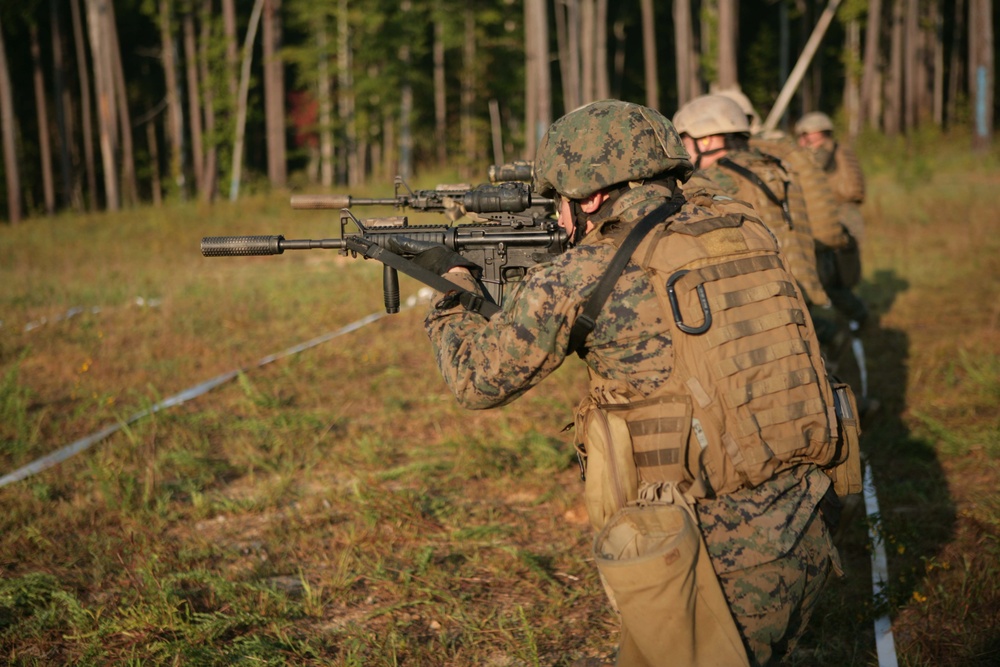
x: 885, y: 645
x: 85, y: 443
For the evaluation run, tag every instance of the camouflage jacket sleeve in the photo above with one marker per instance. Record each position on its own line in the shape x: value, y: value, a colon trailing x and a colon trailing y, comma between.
x: 487, y: 363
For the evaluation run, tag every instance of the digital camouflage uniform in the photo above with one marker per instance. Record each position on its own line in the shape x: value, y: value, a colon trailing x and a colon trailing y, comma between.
x: 768, y: 544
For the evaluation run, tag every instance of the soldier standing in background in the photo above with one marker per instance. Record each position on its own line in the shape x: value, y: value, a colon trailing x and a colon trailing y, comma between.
x: 815, y: 133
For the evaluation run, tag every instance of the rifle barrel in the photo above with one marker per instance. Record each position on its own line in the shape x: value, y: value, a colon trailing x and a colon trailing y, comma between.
x: 317, y: 202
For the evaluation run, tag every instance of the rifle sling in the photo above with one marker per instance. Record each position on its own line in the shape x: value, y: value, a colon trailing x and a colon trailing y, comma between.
x: 756, y: 180
x: 587, y: 320
x: 471, y: 301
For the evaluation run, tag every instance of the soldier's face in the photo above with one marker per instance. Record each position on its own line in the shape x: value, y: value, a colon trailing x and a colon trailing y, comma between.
x: 811, y: 139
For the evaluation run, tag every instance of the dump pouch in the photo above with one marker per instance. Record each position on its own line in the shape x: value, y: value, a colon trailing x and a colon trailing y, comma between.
x: 628, y: 444
x: 846, y: 475
x: 611, y: 480
x: 654, y: 562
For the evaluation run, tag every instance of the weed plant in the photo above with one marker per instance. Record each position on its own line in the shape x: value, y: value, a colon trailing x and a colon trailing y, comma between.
x: 336, y: 507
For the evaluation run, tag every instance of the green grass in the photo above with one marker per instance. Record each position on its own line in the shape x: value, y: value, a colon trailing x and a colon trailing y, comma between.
x: 337, y: 507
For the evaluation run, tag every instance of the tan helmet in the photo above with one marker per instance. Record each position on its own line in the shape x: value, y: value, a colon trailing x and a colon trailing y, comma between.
x: 605, y: 143
x: 738, y: 96
x: 711, y: 114
x: 814, y: 121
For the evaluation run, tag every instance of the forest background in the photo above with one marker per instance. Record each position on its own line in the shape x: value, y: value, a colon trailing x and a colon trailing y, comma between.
x: 107, y: 104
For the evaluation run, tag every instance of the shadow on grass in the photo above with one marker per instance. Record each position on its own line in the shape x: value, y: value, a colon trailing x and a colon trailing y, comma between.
x: 917, y: 513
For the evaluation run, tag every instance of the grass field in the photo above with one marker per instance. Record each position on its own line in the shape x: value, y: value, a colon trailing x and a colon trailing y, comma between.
x: 336, y: 507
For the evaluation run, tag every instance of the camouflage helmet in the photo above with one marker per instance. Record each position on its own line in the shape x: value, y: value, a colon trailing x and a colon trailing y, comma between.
x: 605, y: 143
x: 814, y: 121
x: 711, y: 114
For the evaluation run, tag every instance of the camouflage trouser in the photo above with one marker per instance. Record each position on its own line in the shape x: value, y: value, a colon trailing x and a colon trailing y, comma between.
x: 772, y: 602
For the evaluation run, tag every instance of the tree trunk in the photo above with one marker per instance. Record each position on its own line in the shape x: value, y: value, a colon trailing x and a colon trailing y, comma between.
x: 8, y: 133
x: 175, y: 115
x: 894, y: 84
x: 955, y: 73
x: 872, y: 56
x: 241, y: 100
x: 86, y: 122
x: 345, y: 77
x: 530, y: 84
x: 211, y: 170
x: 325, y: 95
x: 61, y: 97
x: 649, y: 54
x: 440, y: 92
x: 852, y: 92
x: 154, y: 163
x: 937, y: 32
x: 687, y: 68
x: 41, y: 110
x: 274, y: 94
x: 729, y: 16
x: 469, y: 96
x: 588, y: 47
x: 232, y: 48
x: 568, y: 39
x: 602, y: 86
x: 105, y: 88
x: 542, y: 78
x: 981, y: 73
x: 194, y: 100
x: 129, y: 184
x: 911, y: 65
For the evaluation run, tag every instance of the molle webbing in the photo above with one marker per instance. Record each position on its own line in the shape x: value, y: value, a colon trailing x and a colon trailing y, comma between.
x: 796, y: 378
x: 750, y: 327
x: 760, y: 356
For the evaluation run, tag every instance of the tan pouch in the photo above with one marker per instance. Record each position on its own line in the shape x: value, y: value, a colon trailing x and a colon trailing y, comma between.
x: 846, y: 475
x: 653, y: 559
x: 627, y: 444
x: 611, y: 477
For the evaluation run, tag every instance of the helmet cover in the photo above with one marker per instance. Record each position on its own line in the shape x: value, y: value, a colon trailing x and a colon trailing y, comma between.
x: 605, y: 143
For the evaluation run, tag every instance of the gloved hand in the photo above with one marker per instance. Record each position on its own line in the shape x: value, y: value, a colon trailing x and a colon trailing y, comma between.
x: 431, y: 256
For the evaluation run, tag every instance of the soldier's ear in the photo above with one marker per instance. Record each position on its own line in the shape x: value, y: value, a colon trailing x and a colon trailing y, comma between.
x: 593, y: 202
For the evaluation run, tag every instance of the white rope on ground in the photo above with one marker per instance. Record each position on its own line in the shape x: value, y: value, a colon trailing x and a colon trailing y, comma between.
x: 85, y: 443
x: 885, y: 645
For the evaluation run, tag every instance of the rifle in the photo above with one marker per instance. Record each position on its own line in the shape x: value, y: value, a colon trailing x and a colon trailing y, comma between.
x: 505, y: 246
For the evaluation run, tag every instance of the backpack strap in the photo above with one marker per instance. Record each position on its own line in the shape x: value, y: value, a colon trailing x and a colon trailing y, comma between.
x: 756, y: 180
x: 587, y: 320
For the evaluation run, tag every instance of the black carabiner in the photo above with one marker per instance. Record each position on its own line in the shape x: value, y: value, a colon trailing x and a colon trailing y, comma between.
x: 675, y: 307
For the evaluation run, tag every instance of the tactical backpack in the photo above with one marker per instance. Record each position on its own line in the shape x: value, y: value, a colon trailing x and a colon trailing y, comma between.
x: 749, y: 394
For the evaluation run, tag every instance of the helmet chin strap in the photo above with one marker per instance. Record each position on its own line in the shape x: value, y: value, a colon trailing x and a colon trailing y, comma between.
x: 701, y: 153
x: 579, y: 222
